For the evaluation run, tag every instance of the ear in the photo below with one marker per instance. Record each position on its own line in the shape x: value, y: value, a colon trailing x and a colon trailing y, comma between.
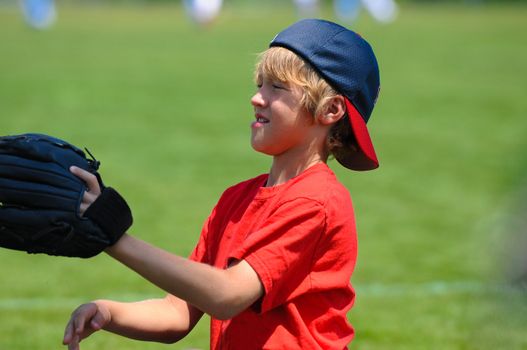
x: 333, y: 111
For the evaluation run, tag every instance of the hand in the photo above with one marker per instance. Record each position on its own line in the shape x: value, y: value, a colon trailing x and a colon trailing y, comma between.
x: 92, y: 192
x: 85, y: 320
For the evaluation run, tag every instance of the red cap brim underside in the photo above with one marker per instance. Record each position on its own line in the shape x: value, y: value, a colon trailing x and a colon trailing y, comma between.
x: 364, y: 158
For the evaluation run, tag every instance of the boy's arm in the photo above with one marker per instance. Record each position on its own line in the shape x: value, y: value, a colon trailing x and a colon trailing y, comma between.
x: 163, y: 320
x: 219, y: 293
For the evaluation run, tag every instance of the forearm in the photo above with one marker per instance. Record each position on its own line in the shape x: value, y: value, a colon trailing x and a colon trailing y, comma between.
x: 220, y: 293
x: 159, y: 320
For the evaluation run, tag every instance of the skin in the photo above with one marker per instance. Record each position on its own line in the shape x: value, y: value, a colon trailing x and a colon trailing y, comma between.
x: 296, y: 141
x: 291, y: 135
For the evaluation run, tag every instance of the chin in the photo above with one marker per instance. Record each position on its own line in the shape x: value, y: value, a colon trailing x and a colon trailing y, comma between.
x: 260, y: 148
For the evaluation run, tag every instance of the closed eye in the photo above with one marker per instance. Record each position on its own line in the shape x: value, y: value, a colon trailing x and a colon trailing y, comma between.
x: 273, y: 83
x: 280, y: 86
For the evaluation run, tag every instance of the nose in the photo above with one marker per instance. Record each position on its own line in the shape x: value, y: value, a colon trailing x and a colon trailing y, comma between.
x: 257, y: 100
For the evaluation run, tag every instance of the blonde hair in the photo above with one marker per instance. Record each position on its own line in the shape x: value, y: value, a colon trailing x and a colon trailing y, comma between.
x: 278, y: 63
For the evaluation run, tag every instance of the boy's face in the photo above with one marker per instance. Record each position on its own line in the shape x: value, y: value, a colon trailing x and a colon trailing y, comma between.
x: 281, y: 124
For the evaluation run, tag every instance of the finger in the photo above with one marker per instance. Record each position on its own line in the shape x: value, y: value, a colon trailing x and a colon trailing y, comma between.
x: 68, y: 332
x: 74, y: 345
x: 89, y: 197
x: 83, y: 208
x: 87, y: 200
x: 88, y: 178
x: 78, y: 324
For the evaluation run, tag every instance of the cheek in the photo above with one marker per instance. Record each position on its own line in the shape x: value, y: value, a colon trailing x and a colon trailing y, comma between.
x: 273, y: 141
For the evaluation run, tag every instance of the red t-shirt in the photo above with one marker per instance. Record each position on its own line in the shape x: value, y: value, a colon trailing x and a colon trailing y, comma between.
x: 300, y: 239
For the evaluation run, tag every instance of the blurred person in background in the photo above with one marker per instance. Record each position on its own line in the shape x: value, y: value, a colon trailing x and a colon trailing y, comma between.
x: 383, y: 11
x: 39, y: 14
x: 202, y: 12
x: 306, y: 8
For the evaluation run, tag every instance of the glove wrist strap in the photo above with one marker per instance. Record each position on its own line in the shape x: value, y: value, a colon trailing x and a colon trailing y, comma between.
x: 111, y: 212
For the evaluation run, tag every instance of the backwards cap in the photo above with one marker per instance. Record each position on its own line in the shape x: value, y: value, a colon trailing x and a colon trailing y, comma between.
x: 347, y: 62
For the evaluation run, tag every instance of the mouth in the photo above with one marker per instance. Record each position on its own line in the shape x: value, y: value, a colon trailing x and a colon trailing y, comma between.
x: 261, y: 119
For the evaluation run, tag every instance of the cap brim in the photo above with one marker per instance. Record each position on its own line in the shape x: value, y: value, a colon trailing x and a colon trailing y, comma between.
x: 364, y: 158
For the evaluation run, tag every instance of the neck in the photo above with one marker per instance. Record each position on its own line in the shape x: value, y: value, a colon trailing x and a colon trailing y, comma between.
x: 297, y: 159
x: 283, y: 169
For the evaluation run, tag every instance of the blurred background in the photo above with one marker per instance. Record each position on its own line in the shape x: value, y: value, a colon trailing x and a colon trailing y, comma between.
x: 159, y: 92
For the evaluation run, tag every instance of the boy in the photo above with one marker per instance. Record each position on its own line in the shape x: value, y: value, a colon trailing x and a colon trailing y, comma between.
x: 273, y: 263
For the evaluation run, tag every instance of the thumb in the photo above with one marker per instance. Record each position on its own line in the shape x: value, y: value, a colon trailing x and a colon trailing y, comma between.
x: 89, y: 178
x: 98, y: 321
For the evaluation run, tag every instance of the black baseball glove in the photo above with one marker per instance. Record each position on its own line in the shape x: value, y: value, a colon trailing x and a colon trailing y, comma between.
x: 40, y: 200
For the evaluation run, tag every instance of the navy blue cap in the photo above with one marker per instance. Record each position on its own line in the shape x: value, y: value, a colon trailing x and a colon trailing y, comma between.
x: 347, y: 62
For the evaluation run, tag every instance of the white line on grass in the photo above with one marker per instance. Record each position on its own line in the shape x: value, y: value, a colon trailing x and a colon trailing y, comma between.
x: 436, y: 288
x: 44, y: 303
x: 363, y: 290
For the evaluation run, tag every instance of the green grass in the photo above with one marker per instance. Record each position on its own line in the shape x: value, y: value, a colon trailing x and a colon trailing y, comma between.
x: 165, y: 107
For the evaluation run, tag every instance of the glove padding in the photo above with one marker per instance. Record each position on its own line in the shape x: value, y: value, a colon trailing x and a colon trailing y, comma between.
x: 40, y: 200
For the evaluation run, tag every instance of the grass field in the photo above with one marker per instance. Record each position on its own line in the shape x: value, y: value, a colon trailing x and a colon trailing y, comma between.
x: 165, y: 107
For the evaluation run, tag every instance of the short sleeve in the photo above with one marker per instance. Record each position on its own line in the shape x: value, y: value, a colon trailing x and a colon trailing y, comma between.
x: 282, y: 250
x: 200, y: 252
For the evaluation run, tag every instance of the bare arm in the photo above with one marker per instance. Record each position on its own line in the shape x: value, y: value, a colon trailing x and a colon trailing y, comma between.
x: 220, y: 293
x: 164, y: 320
